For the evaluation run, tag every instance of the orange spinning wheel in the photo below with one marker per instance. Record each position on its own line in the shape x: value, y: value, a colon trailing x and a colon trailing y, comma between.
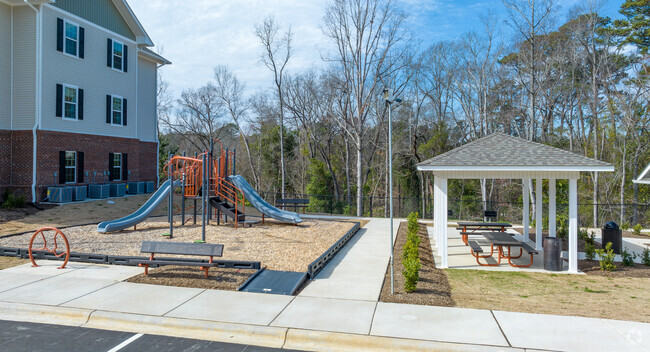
x: 56, y: 246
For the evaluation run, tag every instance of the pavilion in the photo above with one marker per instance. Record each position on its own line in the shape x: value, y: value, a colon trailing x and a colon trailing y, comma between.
x: 644, y: 177
x: 501, y: 156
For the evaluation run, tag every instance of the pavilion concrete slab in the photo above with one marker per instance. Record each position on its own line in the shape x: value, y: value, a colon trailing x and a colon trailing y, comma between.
x: 457, y: 325
x: 562, y: 333
x: 128, y: 297
x: 233, y: 307
x: 357, y: 271
x: 326, y: 314
x: 54, y: 290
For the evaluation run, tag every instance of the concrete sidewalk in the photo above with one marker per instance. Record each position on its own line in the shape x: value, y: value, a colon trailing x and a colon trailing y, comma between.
x: 324, y: 317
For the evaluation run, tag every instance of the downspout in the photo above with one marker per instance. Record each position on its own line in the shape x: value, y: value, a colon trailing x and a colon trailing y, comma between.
x: 37, y: 98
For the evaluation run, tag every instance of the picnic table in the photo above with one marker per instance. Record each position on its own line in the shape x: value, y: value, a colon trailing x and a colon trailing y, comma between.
x: 467, y: 228
x: 501, y: 240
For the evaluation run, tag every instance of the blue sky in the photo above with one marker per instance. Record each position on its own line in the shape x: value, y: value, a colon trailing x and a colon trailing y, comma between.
x: 198, y: 35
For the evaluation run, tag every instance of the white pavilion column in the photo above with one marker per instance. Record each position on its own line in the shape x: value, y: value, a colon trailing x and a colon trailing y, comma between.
x: 526, y: 210
x: 573, y: 225
x: 440, y: 189
x: 436, y: 217
x: 552, y: 231
x: 538, y: 214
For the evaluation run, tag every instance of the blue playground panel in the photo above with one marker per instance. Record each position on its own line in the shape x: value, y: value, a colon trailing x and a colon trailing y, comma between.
x: 99, y: 191
x: 118, y: 189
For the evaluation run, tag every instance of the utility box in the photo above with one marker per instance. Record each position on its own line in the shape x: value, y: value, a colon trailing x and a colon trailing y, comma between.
x: 118, y: 189
x: 59, y: 194
x: 132, y: 188
x: 79, y: 193
x: 149, y: 187
x: 99, y: 191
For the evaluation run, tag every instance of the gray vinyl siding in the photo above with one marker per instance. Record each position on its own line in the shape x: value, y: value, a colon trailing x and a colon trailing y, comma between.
x: 24, y: 86
x: 100, y: 12
x: 90, y: 74
x: 146, y: 100
x: 5, y: 67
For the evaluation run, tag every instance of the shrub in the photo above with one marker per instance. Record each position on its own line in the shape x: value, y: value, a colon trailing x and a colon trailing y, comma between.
x: 590, y: 251
x: 637, y: 229
x: 627, y: 258
x: 645, y: 257
x: 411, y: 255
x: 606, y: 257
x: 12, y: 201
x: 411, y: 273
x: 625, y: 225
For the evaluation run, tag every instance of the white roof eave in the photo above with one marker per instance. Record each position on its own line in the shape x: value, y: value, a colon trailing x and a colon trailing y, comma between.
x: 608, y: 168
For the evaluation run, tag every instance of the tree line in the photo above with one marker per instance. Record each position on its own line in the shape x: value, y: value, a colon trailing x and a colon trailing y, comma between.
x: 569, y: 78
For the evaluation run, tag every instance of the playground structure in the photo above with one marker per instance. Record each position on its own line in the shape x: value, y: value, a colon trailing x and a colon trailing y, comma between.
x: 204, y: 178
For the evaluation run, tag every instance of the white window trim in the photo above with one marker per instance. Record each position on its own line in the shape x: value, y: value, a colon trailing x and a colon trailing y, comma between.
x: 76, y: 103
x: 71, y: 167
x: 66, y: 21
x: 113, y: 55
x: 121, y: 124
x: 118, y: 174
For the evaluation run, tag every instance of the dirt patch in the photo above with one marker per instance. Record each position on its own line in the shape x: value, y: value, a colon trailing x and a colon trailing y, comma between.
x: 276, y: 245
x: 622, y: 298
x: 432, y: 289
x: 8, y: 262
x: 181, y: 276
x: 592, y: 267
x: 7, y: 215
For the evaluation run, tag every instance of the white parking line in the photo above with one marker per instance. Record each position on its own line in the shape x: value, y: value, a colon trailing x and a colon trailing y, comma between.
x: 125, y: 343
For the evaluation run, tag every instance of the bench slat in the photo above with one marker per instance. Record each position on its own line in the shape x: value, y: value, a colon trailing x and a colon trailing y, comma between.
x: 293, y: 201
x: 528, y: 248
x: 475, y: 247
x: 206, y: 249
x: 170, y: 262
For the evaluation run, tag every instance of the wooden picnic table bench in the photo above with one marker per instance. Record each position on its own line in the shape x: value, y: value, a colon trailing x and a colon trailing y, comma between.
x: 295, y: 203
x: 193, y: 249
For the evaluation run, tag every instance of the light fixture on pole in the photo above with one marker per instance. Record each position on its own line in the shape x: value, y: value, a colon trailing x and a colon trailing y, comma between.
x: 389, y: 99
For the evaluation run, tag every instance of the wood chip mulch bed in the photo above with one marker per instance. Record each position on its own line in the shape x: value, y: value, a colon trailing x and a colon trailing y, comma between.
x: 182, y: 276
x: 433, y: 288
x: 592, y: 267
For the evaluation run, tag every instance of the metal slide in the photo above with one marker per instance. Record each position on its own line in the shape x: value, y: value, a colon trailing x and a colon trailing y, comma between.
x: 261, y: 205
x: 139, y: 215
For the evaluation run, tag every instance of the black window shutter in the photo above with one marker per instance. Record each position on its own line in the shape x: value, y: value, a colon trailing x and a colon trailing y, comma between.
x: 59, y: 100
x: 111, y: 176
x: 125, y: 59
x: 62, y: 166
x: 82, y: 39
x: 80, y: 104
x: 108, y: 108
x: 59, y: 34
x: 125, y: 167
x: 124, y: 112
x: 80, y: 167
x: 109, y: 53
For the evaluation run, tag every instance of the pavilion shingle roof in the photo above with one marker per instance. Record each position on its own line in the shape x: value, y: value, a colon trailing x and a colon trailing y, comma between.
x: 502, y: 150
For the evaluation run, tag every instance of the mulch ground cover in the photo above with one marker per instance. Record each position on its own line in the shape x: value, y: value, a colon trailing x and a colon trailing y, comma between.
x: 180, y: 276
x: 592, y: 267
x: 433, y: 288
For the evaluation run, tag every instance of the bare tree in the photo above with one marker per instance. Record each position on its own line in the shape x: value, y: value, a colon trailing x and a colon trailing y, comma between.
x: 276, y: 54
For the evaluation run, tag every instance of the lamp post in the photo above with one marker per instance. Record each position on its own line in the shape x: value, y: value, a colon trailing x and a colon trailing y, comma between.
x: 389, y: 99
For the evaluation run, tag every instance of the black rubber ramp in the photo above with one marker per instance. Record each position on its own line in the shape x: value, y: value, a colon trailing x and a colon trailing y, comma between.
x: 275, y: 282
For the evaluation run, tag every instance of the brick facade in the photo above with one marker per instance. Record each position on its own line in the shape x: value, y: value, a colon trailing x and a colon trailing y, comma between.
x: 16, y: 149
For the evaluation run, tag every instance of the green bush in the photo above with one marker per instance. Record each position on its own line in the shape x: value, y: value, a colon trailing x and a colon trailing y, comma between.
x: 606, y: 257
x: 637, y: 229
x: 411, y: 255
x: 587, y: 237
x: 590, y: 251
x: 627, y: 258
x: 645, y: 257
x: 12, y: 201
x: 563, y: 229
x: 625, y: 225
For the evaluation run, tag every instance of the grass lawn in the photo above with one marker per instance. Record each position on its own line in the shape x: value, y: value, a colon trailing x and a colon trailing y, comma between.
x: 8, y: 262
x: 621, y: 298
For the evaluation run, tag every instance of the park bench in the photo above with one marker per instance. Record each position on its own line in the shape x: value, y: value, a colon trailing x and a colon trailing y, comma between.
x: 295, y: 203
x: 193, y: 249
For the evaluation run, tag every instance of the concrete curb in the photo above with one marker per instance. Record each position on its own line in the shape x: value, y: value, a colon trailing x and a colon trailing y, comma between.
x: 334, y: 341
x: 188, y: 328
x: 34, y: 313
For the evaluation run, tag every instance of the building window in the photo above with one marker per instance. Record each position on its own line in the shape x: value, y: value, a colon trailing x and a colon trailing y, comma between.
x: 70, y: 167
x: 118, y: 55
x: 117, y: 110
x: 117, y: 167
x: 71, y: 38
x: 70, y: 102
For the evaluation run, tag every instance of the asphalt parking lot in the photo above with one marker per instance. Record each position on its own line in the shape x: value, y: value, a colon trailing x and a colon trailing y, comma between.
x: 31, y: 337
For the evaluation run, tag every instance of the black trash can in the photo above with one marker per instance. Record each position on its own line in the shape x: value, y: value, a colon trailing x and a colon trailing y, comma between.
x: 612, y: 233
x: 552, y: 253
